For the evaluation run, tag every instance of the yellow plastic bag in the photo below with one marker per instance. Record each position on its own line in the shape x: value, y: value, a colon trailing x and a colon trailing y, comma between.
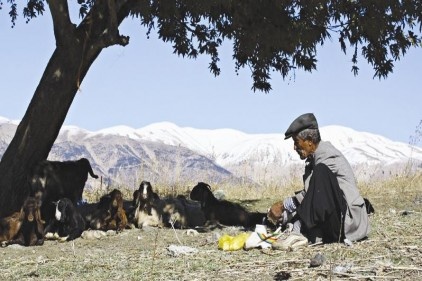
x: 230, y: 243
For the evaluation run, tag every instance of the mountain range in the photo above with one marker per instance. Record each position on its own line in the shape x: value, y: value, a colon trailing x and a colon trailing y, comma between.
x: 164, y: 153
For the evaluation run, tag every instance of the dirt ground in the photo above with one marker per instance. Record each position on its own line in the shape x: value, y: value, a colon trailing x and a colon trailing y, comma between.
x: 392, y: 252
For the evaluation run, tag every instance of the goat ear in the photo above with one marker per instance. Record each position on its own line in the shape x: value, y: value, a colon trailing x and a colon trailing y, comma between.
x: 38, y: 216
x: 21, y: 214
x: 136, y: 194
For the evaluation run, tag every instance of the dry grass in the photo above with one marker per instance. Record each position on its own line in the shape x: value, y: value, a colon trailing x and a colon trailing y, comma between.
x: 392, y: 252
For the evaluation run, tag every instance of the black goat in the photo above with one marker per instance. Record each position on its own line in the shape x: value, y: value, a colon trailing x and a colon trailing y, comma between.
x: 193, y: 211
x: 68, y: 223
x: 53, y: 180
x: 223, y: 211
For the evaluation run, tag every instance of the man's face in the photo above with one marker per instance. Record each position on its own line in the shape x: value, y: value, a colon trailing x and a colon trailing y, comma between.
x: 303, y: 147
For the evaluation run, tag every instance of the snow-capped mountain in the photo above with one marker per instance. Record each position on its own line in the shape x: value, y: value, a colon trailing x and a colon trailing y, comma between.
x: 229, y: 147
x: 127, y: 155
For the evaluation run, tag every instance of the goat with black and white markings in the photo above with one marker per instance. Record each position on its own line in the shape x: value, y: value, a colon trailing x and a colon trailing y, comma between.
x: 151, y: 210
x: 68, y: 223
x: 52, y: 180
x: 147, y: 212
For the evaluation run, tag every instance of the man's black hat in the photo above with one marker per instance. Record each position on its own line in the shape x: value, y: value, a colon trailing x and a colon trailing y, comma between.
x: 304, y: 121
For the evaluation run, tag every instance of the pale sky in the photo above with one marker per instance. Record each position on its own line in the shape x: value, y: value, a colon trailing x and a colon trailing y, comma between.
x: 145, y: 82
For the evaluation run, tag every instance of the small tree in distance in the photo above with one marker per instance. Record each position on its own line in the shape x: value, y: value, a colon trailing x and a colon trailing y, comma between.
x: 267, y: 35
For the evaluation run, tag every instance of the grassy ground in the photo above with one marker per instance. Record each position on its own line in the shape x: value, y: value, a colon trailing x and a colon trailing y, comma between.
x: 392, y: 252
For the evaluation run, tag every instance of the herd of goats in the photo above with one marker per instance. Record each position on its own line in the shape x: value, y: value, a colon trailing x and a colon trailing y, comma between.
x: 53, y: 208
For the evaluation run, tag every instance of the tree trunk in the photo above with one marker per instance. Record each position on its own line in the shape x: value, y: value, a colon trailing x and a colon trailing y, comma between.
x: 43, y: 119
x: 76, y: 50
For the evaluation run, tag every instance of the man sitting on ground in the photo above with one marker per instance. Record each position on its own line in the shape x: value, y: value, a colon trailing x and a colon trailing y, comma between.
x: 330, y: 207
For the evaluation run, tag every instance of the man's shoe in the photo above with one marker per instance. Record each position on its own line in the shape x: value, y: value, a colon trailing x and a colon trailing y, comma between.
x: 292, y: 241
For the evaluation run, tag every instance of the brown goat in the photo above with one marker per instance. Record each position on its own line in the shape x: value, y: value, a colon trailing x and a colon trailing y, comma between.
x: 110, y: 214
x: 275, y: 213
x: 9, y: 226
x: 27, y: 228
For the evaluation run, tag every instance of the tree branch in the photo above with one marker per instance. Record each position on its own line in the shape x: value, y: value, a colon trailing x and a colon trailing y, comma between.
x: 111, y: 35
x: 101, y: 24
x: 63, y: 27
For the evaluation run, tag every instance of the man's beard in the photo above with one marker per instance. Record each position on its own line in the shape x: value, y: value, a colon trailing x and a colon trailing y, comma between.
x: 301, y: 154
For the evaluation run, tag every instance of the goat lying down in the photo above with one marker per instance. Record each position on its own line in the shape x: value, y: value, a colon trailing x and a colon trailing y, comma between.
x: 223, y: 211
x: 194, y: 214
x: 168, y: 212
x: 109, y: 213
x: 52, y: 180
x: 9, y: 226
x: 68, y: 223
x: 25, y: 227
x: 150, y: 210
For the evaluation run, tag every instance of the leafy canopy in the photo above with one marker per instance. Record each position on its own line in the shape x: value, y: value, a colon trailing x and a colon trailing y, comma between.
x: 268, y: 35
